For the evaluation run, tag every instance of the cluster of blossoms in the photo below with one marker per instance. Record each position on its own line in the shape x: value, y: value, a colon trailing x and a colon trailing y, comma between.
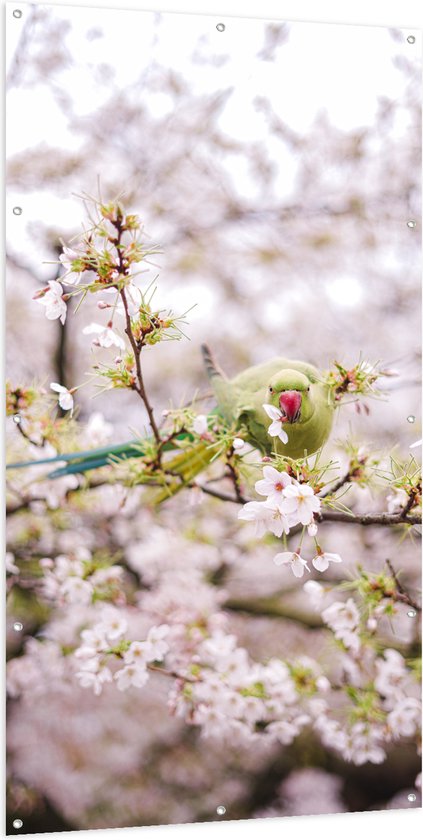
x: 383, y: 691
x: 357, y: 707
x: 106, y: 642
x: 289, y: 503
x: 228, y: 695
x: 105, y: 261
x: 80, y: 579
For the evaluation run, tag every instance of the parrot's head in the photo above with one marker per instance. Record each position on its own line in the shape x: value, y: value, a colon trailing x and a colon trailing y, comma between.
x: 290, y: 392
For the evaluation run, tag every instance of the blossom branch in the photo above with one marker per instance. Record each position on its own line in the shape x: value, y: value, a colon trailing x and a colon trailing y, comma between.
x: 139, y: 387
x: 401, y: 594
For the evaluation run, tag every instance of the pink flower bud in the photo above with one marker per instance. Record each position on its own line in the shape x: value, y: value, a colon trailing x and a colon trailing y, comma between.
x: 40, y: 293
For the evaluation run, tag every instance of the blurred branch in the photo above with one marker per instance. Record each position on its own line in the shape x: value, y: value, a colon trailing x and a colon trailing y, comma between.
x: 25, y: 502
x: 272, y: 608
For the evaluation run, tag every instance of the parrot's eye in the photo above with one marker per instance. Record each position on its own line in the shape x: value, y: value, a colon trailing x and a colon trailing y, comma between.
x: 270, y: 389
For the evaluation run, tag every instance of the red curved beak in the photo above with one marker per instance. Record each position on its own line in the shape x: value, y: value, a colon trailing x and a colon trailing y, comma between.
x: 290, y: 403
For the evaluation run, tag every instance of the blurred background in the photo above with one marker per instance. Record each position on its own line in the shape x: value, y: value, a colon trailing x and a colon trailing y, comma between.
x: 277, y: 166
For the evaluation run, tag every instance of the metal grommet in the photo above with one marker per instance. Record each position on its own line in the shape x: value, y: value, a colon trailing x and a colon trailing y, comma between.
x: 17, y: 823
x: 411, y: 223
x: 411, y: 39
x: 17, y: 419
x: 17, y: 211
x: 411, y: 613
x: 220, y: 27
x: 411, y: 418
x: 18, y: 626
x: 411, y: 797
x: 17, y: 13
x: 221, y: 810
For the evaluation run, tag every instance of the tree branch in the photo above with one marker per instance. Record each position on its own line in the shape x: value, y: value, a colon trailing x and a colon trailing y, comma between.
x: 383, y: 518
x: 140, y: 388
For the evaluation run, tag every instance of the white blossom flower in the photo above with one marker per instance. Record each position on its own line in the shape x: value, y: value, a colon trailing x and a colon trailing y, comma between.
x: 94, y: 679
x: 273, y: 483
x: 200, y: 424
x: 98, y: 431
x: 297, y: 563
x: 404, y: 718
x: 278, y: 523
x: 343, y: 619
x: 105, y: 336
x: 65, y: 396
x: 113, y: 625
x: 315, y: 592
x: 300, y: 501
x: 276, y: 427
x: 53, y: 301
x: 158, y: 647
x: 322, y: 560
x: 137, y: 654
x: 258, y: 512
x: 342, y: 616
x: 68, y: 258
x: 131, y: 675
x: 286, y: 730
x: 77, y: 591
x: 396, y: 500
x: 363, y: 744
x: 391, y: 674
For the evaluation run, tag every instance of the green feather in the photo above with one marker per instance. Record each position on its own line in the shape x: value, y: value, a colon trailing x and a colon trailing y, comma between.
x: 240, y: 403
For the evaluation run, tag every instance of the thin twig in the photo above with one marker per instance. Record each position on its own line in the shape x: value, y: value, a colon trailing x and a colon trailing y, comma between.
x: 402, y: 594
x: 140, y: 387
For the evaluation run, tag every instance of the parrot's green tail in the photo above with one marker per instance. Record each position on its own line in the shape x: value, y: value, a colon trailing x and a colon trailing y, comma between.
x: 183, y: 469
x: 210, y: 364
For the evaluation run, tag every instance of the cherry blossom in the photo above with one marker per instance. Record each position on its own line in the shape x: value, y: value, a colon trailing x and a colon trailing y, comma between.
x: 315, y: 591
x: 323, y: 558
x: 65, y: 398
x: 343, y: 619
x: 72, y: 263
x: 404, y: 718
x: 105, y: 336
x: 297, y: 563
x: 52, y: 299
x: 97, y: 431
x: 131, y: 675
x: 390, y: 674
x: 301, y: 501
x: 77, y: 591
x: 93, y: 676
x: 276, y: 428
x: 258, y: 512
x: 273, y: 483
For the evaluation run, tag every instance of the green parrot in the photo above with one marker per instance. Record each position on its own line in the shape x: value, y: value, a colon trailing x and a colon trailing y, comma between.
x: 283, y: 406
x: 294, y: 398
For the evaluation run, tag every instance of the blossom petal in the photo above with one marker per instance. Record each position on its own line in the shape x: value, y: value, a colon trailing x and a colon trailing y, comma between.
x: 283, y: 435
x: 272, y: 411
x: 321, y: 563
